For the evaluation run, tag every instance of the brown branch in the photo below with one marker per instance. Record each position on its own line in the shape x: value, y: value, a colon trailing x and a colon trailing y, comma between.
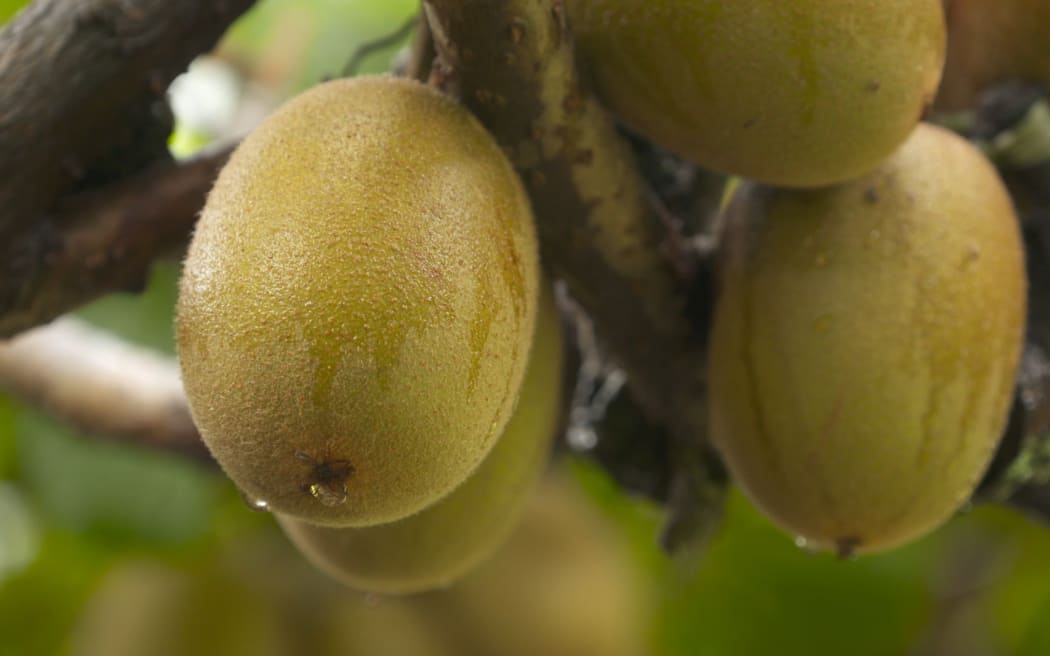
x: 1020, y: 473
x: 420, y: 57
x: 83, y: 106
x: 595, y: 228
x: 512, y: 63
x: 101, y: 386
x: 105, y: 240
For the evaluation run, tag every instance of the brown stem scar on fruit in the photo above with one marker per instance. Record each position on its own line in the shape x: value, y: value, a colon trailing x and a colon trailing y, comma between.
x: 328, y: 479
x: 847, y: 547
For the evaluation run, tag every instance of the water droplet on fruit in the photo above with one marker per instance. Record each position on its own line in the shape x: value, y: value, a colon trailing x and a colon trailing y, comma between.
x: 807, y: 547
x: 258, y: 505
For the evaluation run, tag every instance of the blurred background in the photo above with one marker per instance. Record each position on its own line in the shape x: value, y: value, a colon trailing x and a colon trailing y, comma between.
x: 106, y: 549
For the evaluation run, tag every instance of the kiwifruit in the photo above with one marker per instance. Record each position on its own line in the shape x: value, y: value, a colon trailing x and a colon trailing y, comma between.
x: 801, y: 93
x: 433, y: 548
x: 387, y: 627
x: 564, y: 584
x: 991, y: 42
x: 147, y: 608
x: 357, y: 303
x: 865, y: 343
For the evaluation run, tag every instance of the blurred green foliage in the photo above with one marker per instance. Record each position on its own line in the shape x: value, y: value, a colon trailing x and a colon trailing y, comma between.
x: 290, y: 46
x: 755, y: 592
x: 39, y: 606
x: 979, y: 586
x: 8, y: 456
x: 123, y: 494
x: 9, y: 8
x: 93, y: 502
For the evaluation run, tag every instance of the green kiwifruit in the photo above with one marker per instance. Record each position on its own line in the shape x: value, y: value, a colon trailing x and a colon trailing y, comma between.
x: 865, y: 343
x: 146, y: 608
x: 435, y: 547
x: 801, y: 93
x: 387, y: 627
x: 358, y: 302
x: 564, y: 584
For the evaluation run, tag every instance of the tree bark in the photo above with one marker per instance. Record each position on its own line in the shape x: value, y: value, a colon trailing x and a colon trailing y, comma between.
x: 105, y: 240
x: 82, y: 105
x: 101, y: 386
x: 512, y: 63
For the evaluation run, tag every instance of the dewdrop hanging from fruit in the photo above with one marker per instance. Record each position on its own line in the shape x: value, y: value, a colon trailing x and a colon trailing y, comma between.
x: 358, y: 301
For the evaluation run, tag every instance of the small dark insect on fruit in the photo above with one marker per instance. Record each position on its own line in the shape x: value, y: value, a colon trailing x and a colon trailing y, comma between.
x: 328, y: 478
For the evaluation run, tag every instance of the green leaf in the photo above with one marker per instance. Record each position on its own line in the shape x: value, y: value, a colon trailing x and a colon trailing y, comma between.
x: 757, y: 593
x: 39, y: 606
x: 753, y: 592
x: 18, y: 532
x: 128, y: 494
x: 8, y: 454
x: 1018, y: 604
x: 146, y: 318
x: 8, y: 8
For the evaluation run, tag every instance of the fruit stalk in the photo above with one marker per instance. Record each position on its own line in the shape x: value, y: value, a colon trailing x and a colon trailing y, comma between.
x: 512, y: 64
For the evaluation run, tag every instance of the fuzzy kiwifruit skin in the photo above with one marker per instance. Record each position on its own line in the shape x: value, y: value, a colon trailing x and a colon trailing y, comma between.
x: 358, y: 303
x: 801, y: 93
x: 991, y: 42
x: 865, y: 343
x: 433, y: 548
